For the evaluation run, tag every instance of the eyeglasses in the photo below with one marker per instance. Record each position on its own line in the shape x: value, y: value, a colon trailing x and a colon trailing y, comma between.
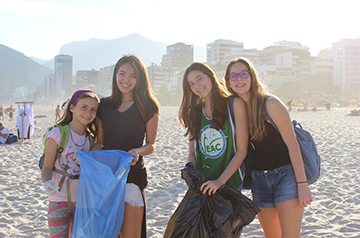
x: 244, y: 75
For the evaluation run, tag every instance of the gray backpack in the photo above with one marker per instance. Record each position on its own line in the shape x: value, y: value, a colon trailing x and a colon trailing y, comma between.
x: 310, y: 155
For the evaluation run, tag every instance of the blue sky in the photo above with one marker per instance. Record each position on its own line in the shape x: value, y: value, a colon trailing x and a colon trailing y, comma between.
x: 41, y: 28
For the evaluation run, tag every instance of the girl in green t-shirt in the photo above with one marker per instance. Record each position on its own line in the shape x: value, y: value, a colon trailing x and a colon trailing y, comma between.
x: 212, y: 146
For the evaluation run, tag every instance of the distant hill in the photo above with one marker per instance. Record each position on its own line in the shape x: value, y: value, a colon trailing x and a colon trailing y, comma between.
x: 96, y: 53
x: 16, y: 70
x: 40, y: 61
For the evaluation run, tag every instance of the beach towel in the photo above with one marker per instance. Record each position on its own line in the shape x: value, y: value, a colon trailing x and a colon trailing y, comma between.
x: 101, y: 194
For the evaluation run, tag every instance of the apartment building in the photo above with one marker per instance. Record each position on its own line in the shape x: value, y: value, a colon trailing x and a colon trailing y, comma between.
x: 87, y: 79
x: 178, y: 56
x: 215, y: 52
x: 346, y: 55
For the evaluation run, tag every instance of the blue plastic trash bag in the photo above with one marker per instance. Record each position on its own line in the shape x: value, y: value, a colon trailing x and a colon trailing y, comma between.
x: 101, y: 195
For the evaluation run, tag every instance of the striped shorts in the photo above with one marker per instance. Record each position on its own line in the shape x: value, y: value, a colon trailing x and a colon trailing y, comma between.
x: 60, y: 220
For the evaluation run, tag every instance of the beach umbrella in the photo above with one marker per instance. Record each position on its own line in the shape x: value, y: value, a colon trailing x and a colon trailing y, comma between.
x: 101, y: 194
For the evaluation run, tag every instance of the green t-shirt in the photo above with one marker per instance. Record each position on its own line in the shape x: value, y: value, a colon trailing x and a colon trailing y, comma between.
x: 214, y: 151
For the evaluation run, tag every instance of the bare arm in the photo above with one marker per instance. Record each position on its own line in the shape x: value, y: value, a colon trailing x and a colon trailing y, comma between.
x: 49, y: 160
x: 191, y: 156
x: 281, y: 118
x: 99, y: 136
x: 149, y: 147
x: 4, y: 135
x: 242, y: 137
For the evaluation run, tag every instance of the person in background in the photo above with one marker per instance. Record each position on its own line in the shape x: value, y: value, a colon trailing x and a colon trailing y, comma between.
x: 289, y: 105
x: 278, y: 181
x: 124, y: 119
x: 11, y: 111
x: 57, y: 113
x: 4, y: 134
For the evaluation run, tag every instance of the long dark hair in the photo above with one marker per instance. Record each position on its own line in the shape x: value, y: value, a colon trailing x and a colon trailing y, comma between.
x: 258, y: 92
x: 68, y: 115
x: 143, y: 97
x: 191, y: 106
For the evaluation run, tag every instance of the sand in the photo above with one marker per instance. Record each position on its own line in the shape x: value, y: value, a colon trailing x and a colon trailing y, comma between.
x: 335, y: 211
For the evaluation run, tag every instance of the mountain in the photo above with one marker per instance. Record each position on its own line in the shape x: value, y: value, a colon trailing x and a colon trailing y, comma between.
x: 96, y: 53
x: 40, y: 61
x: 16, y: 70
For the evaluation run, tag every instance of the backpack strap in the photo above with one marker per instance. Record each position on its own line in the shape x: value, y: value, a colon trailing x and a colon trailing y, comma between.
x: 64, y: 138
x: 231, y: 108
x: 268, y: 115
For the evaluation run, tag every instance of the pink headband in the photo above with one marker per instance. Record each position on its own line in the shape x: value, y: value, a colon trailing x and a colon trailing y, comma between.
x: 78, y: 93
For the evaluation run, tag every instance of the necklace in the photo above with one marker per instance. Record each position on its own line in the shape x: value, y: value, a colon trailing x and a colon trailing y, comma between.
x: 74, y: 141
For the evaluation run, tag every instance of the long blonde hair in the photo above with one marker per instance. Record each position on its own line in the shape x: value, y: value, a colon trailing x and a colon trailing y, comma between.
x: 258, y: 93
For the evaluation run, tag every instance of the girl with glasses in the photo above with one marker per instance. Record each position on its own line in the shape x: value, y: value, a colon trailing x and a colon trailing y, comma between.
x: 278, y: 180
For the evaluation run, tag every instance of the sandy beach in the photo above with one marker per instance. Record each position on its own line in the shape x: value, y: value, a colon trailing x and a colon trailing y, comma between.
x: 335, y: 211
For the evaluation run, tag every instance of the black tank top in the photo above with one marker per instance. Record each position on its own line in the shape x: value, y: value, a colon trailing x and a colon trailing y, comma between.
x: 271, y: 152
x: 124, y: 131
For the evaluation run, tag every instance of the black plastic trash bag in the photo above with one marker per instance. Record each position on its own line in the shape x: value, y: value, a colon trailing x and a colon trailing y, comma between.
x: 202, y: 216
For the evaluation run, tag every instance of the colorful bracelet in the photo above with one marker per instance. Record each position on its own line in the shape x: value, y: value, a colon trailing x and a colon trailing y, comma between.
x: 301, y: 182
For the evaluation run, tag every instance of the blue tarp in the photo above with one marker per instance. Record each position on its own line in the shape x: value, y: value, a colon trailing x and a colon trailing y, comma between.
x: 101, y: 194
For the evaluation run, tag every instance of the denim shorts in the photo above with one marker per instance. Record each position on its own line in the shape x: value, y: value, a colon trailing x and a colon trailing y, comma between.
x: 133, y: 195
x: 271, y: 187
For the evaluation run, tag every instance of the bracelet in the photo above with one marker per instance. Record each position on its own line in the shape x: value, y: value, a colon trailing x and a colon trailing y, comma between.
x: 301, y: 182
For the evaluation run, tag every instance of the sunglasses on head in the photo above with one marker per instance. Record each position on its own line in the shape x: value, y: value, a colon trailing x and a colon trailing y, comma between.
x: 243, y: 74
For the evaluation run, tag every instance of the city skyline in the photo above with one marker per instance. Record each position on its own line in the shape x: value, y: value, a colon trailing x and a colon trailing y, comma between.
x: 40, y: 28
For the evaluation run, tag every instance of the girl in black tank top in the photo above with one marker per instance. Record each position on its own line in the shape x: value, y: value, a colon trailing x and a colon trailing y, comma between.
x: 278, y: 179
x: 125, y: 119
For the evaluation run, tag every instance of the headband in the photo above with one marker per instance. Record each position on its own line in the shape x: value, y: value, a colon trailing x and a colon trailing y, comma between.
x: 78, y: 93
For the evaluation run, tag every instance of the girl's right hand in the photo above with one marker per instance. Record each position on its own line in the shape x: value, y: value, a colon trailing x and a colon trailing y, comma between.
x: 51, y: 188
x: 211, y: 187
x: 305, y: 197
x: 135, y: 154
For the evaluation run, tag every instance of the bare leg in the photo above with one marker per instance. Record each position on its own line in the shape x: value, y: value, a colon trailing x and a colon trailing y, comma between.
x: 290, y: 216
x: 131, y: 227
x: 269, y: 221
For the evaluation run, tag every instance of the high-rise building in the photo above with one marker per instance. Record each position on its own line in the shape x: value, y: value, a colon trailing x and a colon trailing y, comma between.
x: 216, y: 50
x: 50, y: 88
x: 87, y: 79
x: 288, y: 54
x: 63, y: 75
x: 159, y: 77
x: 178, y: 56
x: 346, y: 56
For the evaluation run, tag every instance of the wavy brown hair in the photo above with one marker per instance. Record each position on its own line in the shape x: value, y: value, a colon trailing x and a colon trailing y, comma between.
x: 258, y: 92
x: 191, y: 106
x: 68, y: 115
x: 143, y: 97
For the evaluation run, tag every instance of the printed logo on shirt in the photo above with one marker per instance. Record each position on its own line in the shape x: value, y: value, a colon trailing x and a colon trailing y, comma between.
x: 212, y: 142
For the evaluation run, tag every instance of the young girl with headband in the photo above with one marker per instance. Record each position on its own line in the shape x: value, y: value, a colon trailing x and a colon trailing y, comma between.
x: 79, y: 118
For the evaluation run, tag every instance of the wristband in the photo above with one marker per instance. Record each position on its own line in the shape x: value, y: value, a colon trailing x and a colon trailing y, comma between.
x: 301, y: 182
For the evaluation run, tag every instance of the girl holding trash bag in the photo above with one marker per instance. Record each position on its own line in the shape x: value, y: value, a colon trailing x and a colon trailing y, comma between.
x: 205, y: 115
x: 79, y: 119
x: 278, y: 180
x: 124, y: 119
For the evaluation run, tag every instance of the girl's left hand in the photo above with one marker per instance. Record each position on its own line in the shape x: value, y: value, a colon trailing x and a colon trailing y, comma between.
x: 305, y: 197
x: 211, y: 187
x: 135, y: 154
